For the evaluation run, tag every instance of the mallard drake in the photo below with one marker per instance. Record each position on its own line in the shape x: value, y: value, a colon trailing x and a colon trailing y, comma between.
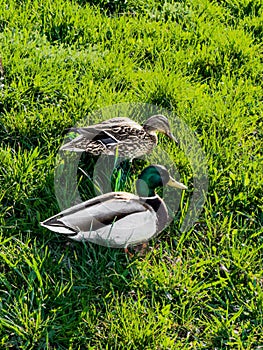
x: 131, y: 139
x: 119, y: 219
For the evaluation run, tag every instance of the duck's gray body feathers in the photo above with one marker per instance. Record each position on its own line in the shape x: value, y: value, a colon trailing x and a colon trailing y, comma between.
x: 115, y: 219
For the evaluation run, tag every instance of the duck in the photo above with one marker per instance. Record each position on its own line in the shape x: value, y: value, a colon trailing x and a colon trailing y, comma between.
x: 121, y: 135
x: 119, y: 219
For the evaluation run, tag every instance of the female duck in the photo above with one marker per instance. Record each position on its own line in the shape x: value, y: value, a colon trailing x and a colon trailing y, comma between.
x: 131, y: 139
x: 119, y: 219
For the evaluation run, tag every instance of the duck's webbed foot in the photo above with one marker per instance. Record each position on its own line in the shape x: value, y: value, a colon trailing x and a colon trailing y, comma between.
x: 140, y: 250
x: 127, y: 252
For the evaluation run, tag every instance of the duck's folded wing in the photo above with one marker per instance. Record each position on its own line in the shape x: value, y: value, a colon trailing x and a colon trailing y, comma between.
x: 133, y: 229
x: 105, y: 133
x: 98, y: 213
x: 88, y: 135
x: 114, y: 123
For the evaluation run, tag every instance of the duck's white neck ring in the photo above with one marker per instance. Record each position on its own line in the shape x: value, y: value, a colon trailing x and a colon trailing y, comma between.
x: 159, y: 207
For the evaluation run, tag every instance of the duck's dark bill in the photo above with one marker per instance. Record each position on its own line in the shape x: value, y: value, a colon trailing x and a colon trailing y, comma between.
x: 173, y: 137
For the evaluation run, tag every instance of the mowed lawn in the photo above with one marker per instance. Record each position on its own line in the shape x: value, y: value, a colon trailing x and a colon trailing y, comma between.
x: 202, y: 60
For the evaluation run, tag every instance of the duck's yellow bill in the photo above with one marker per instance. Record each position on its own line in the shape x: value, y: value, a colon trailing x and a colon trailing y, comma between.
x: 173, y: 183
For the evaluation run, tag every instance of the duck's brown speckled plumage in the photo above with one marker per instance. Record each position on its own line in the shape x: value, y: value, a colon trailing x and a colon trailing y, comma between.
x: 130, y: 138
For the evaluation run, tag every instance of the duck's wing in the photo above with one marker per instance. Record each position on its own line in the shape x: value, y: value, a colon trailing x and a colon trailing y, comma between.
x: 111, y: 124
x: 101, y: 136
x: 132, y: 229
x: 90, y: 136
x: 116, y: 217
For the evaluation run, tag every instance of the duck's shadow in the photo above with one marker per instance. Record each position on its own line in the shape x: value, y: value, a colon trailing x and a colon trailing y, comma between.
x: 98, y: 269
x: 97, y: 175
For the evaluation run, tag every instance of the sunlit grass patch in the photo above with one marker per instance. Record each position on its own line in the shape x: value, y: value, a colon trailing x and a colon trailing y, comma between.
x: 198, y: 289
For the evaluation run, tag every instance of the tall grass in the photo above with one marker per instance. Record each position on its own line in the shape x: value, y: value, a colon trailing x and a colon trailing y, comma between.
x: 200, y: 59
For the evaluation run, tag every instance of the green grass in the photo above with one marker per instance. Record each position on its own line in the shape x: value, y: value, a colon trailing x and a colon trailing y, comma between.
x: 201, y: 289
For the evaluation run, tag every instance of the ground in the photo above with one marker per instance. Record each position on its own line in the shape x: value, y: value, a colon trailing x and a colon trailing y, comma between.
x: 200, y: 289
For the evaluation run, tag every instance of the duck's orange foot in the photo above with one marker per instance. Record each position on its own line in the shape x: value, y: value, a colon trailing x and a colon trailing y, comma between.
x: 140, y: 250
x: 126, y: 250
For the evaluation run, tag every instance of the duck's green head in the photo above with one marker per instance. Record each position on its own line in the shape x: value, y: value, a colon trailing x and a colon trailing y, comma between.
x: 152, y: 177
